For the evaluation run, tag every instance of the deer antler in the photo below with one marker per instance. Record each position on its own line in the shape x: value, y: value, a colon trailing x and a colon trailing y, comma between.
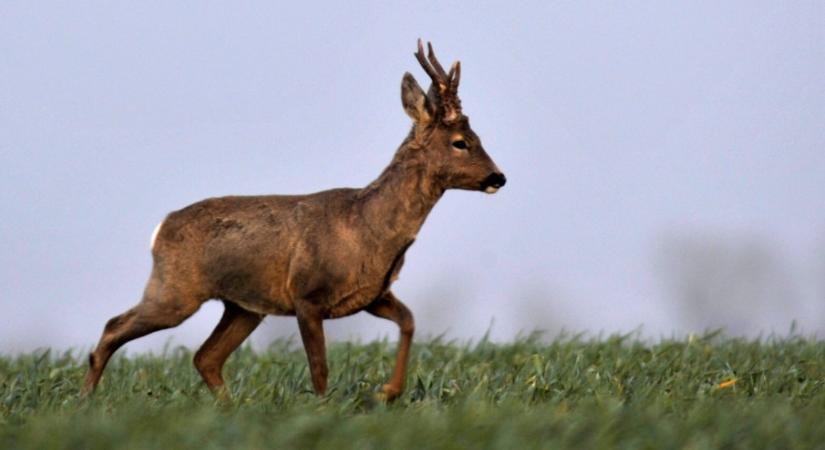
x: 446, y: 83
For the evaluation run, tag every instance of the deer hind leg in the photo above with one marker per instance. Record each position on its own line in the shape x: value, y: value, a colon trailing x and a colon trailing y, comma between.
x: 389, y: 307
x: 235, y: 326
x: 161, y: 308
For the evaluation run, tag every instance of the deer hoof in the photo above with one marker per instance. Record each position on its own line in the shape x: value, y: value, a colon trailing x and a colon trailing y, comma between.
x: 222, y: 396
x: 388, y: 393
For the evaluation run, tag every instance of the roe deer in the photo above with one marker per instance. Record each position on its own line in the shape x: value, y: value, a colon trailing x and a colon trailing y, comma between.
x: 317, y: 256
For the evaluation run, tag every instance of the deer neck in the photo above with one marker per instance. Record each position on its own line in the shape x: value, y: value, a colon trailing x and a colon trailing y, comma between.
x: 396, y: 204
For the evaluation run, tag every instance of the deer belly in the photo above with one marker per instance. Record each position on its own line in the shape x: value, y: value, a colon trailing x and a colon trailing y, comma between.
x: 354, y: 302
x: 268, y: 307
x: 253, y: 291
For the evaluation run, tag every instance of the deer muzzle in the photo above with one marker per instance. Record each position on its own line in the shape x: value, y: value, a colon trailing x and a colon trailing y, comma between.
x: 493, y: 182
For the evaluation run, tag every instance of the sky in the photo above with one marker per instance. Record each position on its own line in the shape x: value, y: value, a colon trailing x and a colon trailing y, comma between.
x: 665, y: 161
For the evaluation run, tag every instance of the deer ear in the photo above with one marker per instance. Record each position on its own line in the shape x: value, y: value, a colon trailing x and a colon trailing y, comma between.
x: 415, y: 101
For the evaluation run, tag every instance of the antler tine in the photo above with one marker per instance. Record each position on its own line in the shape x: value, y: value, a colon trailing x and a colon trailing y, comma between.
x: 434, y: 60
x: 455, y: 76
x: 419, y: 55
x: 446, y: 84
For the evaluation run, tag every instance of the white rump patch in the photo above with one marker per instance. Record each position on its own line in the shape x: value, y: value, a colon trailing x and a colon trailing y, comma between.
x: 155, y: 235
x: 491, y: 190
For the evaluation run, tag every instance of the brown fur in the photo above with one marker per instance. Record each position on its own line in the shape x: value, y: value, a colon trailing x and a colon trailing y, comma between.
x: 317, y: 256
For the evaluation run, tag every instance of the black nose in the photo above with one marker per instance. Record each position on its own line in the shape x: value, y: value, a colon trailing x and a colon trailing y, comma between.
x: 494, y: 180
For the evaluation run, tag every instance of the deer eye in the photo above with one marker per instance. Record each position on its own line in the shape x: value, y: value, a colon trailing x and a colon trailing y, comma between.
x: 460, y: 144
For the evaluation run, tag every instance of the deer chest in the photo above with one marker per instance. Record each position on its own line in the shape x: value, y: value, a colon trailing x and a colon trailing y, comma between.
x: 369, y: 286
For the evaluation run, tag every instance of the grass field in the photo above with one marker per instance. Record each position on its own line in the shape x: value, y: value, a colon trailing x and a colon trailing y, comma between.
x: 614, y: 392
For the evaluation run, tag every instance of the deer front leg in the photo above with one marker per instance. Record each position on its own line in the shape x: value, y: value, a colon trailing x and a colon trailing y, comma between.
x: 311, y: 325
x: 389, y: 307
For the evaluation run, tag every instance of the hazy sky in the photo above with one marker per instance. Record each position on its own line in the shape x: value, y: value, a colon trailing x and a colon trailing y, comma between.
x: 622, y: 128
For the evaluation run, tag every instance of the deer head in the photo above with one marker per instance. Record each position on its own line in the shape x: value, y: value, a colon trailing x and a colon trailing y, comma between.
x: 442, y: 136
